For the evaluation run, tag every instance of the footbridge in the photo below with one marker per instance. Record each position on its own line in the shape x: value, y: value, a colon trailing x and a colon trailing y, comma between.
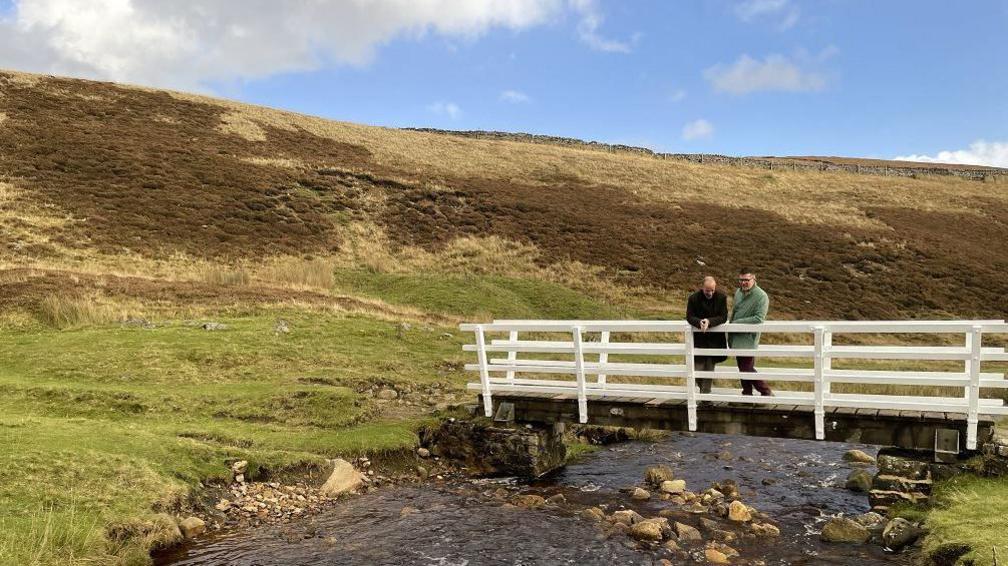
x: 933, y: 385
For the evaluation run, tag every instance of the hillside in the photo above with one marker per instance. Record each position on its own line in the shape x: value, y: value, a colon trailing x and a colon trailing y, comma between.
x: 116, y: 182
x: 187, y: 282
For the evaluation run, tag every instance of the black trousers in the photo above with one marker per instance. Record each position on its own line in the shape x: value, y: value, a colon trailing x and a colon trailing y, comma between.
x: 704, y: 363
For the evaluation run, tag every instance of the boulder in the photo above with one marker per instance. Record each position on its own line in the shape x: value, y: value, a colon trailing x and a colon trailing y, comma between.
x: 387, y: 394
x: 528, y: 501
x: 765, y: 530
x: 870, y: 519
x: 655, y: 475
x: 343, y: 478
x: 709, y: 525
x: 860, y: 481
x: 556, y: 499
x: 728, y: 487
x: 239, y: 467
x: 649, y: 530
x: 593, y: 513
x: 858, y: 457
x: 738, y: 512
x: 640, y: 494
x: 899, y: 533
x: 842, y: 529
x: 675, y: 487
x: 628, y: 517
x: 686, y: 532
x: 192, y: 527
x: 715, y: 556
x: 713, y: 494
x: 423, y: 452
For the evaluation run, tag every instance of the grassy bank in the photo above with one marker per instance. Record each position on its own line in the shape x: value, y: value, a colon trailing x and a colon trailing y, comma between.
x: 105, y: 426
x: 970, y: 511
x: 108, y: 425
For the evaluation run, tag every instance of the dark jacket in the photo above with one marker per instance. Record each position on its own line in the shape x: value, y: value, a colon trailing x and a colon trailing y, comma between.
x: 714, y: 309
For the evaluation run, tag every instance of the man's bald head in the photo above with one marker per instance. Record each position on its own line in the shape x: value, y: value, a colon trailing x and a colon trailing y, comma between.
x: 709, y: 286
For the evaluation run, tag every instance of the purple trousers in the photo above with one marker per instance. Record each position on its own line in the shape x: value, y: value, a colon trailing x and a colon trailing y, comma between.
x: 747, y: 364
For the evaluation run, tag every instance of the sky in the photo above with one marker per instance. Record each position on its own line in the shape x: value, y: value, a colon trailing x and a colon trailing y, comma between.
x: 922, y: 79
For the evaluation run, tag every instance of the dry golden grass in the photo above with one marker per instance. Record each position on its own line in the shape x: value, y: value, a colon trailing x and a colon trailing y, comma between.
x: 27, y: 224
x: 238, y: 124
x: 296, y: 272
x: 219, y: 274
x: 69, y: 311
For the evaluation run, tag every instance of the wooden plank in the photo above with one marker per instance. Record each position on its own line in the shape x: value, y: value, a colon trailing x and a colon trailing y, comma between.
x: 931, y: 415
x: 887, y: 413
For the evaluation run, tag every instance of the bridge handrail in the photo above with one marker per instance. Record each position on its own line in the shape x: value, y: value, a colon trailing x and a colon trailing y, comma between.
x: 822, y: 352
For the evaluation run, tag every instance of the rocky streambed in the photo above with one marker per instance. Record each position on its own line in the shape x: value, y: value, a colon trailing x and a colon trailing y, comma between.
x: 686, y: 499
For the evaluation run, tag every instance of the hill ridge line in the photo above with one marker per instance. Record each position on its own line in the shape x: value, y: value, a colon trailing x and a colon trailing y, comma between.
x: 899, y: 169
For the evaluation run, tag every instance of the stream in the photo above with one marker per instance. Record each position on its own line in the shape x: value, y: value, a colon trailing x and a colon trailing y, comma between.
x: 797, y: 484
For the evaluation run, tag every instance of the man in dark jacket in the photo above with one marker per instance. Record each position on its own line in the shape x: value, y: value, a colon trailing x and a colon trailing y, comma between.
x: 707, y: 308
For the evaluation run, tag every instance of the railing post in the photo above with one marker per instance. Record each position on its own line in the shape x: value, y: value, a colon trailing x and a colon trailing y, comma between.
x: 579, y: 372
x: 484, y: 374
x: 819, y: 364
x: 512, y: 355
x: 691, y: 393
x: 603, y: 357
x: 973, y: 342
x: 827, y: 363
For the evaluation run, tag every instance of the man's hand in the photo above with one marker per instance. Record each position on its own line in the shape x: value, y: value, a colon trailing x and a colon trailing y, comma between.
x: 704, y: 323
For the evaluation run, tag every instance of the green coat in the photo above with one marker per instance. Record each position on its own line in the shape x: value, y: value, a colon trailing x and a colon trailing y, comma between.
x: 749, y: 308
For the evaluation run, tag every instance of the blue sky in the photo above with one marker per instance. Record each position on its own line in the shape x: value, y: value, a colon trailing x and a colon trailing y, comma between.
x: 745, y: 77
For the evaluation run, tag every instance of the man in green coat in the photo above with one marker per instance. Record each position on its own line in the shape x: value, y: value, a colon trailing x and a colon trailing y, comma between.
x: 750, y: 307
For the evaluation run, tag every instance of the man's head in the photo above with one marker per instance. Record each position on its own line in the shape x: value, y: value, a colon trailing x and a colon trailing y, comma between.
x: 746, y: 279
x: 709, y: 286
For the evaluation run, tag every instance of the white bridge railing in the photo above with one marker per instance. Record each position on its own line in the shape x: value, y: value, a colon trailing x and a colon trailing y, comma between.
x: 589, y: 345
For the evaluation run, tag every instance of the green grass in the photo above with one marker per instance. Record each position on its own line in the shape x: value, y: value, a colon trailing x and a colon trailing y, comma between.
x: 104, y: 428
x: 578, y: 450
x: 475, y: 296
x: 970, y: 510
x: 108, y: 425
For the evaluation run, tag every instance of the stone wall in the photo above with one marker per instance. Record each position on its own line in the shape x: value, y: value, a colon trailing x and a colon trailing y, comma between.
x: 906, y: 476
x: 488, y: 449
x: 987, y: 174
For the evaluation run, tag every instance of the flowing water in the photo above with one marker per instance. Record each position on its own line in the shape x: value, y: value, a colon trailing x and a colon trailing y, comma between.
x: 798, y: 484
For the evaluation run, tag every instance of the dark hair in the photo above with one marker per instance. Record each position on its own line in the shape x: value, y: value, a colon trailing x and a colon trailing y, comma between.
x: 745, y: 270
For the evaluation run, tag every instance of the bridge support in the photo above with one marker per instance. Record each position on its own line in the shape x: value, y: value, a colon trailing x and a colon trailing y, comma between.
x: 914, y: 430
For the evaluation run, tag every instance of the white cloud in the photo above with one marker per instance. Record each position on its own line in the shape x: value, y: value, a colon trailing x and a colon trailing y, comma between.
x: 678, y: 95
x: 191, y: 44
x: 698, y: 130
x: 449, y: 109
x: 774, y: 73
x: 514, y: 97
x: 980, y: 152
x: 782, y: 11
x: 591, y: 21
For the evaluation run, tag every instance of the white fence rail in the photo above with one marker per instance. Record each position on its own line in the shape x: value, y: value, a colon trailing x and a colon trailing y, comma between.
x: 590, y: 356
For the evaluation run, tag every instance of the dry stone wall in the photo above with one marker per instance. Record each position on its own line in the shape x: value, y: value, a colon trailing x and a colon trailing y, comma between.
x: 985, y: 174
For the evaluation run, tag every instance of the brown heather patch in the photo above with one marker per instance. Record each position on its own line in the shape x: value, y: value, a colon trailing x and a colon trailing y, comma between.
x: 913, y: 267
x: 156, y: 175
x: 152, y: 173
